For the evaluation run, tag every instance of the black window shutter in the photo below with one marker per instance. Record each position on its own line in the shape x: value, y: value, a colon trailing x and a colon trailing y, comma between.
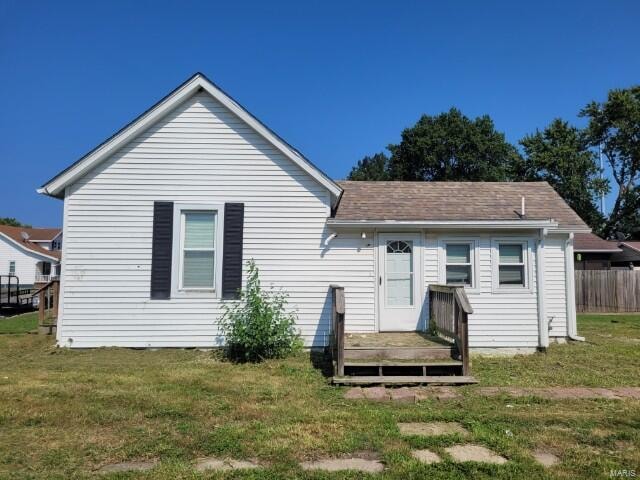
x: 232, y: 250
x: 162, y: 246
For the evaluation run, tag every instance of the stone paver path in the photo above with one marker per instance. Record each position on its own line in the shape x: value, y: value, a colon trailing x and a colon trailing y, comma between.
x: 129, y: 466
x: 213, y: 463
x: 564, y: 393
x: 474, y: 453
x: 432, y: 429
x: 426, y: 456
x: 545, y: 458
x: 416, y: 394
x: 338, y: 464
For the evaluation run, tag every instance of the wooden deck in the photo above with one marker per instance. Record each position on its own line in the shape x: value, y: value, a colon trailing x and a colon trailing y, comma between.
x: 402, y: 357
x: 393, y: 339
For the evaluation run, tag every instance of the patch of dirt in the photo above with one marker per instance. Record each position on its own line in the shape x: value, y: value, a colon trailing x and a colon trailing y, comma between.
x: 338, y: 464
x: 226, y: 464
x: 138, y: 466
x: 432, y: 429
x: 545, y: 459
x: 474, y: 453
x: 426, y: 456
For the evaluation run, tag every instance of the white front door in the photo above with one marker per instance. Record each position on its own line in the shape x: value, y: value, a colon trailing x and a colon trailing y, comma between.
x: 399, y: 284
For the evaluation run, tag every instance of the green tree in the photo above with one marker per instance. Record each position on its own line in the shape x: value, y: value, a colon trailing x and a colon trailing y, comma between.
x: 12, y: 222
x: 451, y: 146
x: 371, y: 168
x: 615, y: 125
x: 561, y: 156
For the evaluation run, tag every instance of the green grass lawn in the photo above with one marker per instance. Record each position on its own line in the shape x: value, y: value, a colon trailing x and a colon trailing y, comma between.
x: 64, y: 413
x: 20, y: 323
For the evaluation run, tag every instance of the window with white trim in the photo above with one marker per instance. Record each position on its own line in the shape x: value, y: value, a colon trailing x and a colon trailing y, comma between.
x: 12, y: 267
x: 512, y: 264
x: 198, y: 249
x: 459, y: 263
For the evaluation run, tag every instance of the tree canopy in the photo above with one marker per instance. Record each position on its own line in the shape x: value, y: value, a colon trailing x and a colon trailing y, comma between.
x: 12, y: 222
x: 448, y: 146
x: 561, y: 156
x: 615, y: 126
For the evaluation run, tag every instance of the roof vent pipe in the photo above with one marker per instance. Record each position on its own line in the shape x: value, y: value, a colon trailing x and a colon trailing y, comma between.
x: 522, y: 208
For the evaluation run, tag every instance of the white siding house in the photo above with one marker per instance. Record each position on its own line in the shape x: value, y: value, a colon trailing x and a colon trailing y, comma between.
x: 31, y: 254
x: 148, y: 211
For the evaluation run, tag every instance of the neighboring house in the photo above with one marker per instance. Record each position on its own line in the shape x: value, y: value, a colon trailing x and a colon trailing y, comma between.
x: 31, y: 254
x: 160, y: 219
x: 592, y: 252
x: 629, y: 256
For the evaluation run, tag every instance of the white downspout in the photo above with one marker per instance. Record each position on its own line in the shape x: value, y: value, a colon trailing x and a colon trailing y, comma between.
x: 570, y: 291
x: 543, y: 326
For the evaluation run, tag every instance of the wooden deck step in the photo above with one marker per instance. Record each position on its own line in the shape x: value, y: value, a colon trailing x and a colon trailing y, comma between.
x: 405, y: 380
x: 398, y: 362
x: 399, y: 353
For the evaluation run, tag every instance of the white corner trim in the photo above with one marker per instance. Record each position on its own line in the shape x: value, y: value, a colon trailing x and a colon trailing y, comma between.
x: 56, y: 185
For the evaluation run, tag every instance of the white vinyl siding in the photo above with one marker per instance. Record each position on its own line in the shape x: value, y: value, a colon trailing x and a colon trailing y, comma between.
x: 499, y: 319
x: 555, y: 285
x: 201, y: 154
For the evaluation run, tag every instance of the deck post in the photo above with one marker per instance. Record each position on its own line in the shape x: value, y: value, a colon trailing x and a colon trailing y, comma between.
x: 41, y: 300
x: 338, y: 310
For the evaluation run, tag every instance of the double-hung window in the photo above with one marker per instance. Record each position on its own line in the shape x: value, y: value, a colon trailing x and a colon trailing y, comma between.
x: 512, y: 257
x: 198, y: 249
x: 12, y: 267
x: 459, y: 263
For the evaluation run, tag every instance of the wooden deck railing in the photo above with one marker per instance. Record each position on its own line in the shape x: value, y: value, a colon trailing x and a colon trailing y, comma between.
x: 337, y: 329
x: 449, y: 310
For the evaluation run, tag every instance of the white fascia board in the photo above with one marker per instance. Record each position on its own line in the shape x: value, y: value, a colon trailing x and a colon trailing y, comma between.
x: 593, y: 250
x: 28, y: 250
x: 56, y: 186
x: 468, y: 224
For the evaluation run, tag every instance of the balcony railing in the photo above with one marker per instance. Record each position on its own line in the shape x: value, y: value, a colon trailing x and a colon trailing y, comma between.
x: 40, y: 278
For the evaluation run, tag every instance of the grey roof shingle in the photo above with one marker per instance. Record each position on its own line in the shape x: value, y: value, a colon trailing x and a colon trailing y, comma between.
x: 428, y: 201
x: 585, y: 242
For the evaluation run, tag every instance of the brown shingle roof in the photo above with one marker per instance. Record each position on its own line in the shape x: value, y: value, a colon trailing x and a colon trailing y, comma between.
x: 632, y: 244
x: 428, y: 201
x: 45, y: 234
x: 590, y: 242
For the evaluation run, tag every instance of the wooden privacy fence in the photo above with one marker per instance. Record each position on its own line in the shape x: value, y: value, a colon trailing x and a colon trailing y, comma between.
x: 608, y: 291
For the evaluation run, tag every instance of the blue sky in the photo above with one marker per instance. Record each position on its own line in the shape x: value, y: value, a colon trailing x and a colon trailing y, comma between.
x: 338, y: 80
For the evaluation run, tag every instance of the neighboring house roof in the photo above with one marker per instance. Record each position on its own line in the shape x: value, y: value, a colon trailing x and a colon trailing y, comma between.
x: 55, y: 187
x: 633, y: 245
x: 590, y: 242
x: 630, y: 253
x: 14, y: 235
x: 455, y: 201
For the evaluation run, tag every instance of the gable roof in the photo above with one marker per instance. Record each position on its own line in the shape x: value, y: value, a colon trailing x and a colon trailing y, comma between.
x: 14, y: 235
x: 590, y: 242
x: 55, y: 186
x: 455, y: 201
